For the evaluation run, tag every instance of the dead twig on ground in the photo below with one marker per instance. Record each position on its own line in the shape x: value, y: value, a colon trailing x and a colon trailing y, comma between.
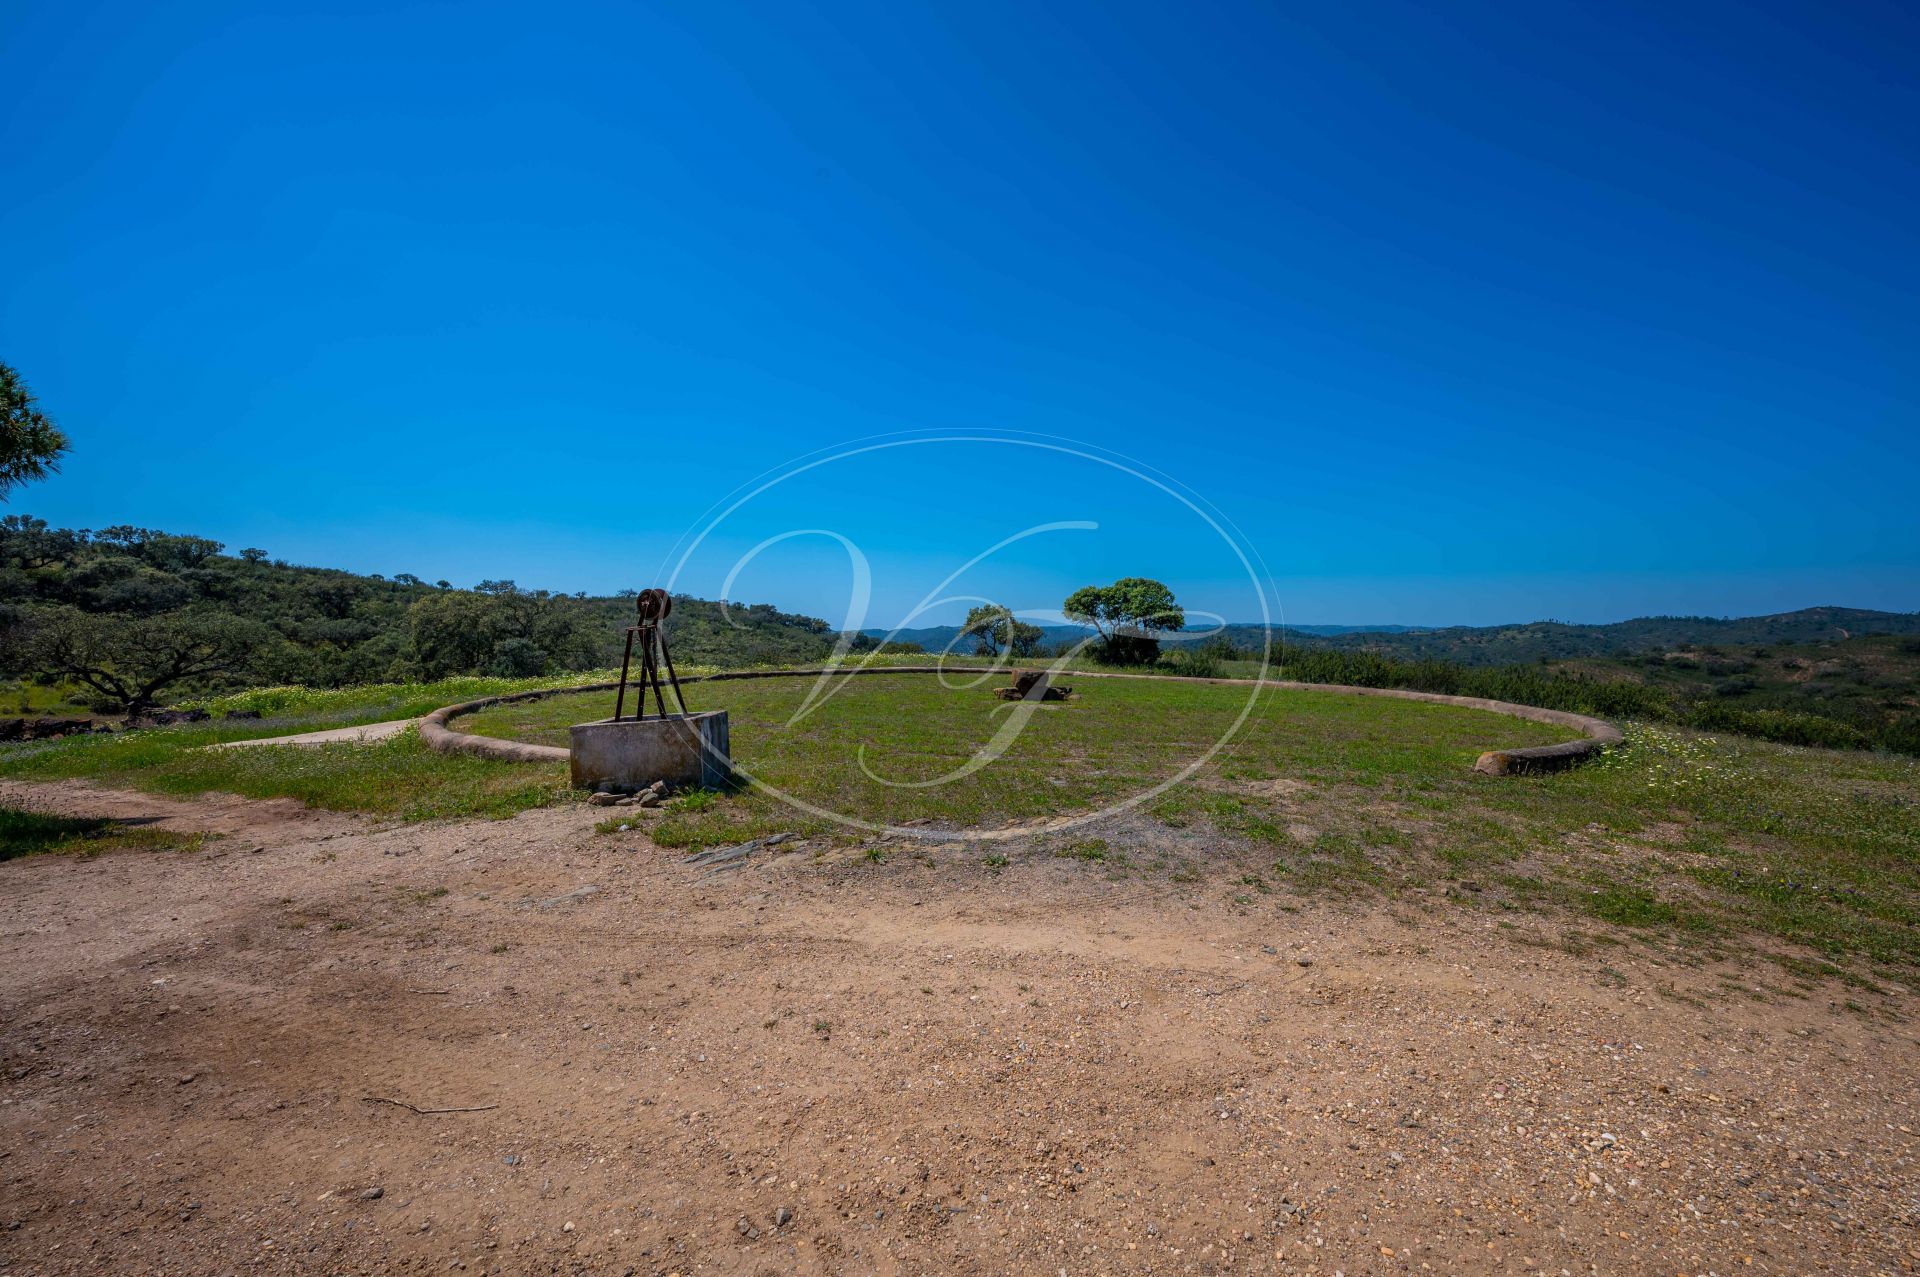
x: 381, y: 1099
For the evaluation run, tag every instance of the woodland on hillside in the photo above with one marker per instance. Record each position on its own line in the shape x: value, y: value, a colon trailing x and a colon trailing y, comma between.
x: 137, y: 616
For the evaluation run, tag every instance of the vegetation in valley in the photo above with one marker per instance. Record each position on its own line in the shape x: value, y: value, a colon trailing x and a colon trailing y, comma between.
x: 1856, y: 693
x: 1559, y: 641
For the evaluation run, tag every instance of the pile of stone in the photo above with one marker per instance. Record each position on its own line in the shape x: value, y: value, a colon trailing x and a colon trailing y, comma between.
x: 48, y: 728
x: 1033, y: 685
x: 613, y: 794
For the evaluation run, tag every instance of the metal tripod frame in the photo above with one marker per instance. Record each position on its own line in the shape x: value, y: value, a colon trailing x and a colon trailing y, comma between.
x: 652, y: 607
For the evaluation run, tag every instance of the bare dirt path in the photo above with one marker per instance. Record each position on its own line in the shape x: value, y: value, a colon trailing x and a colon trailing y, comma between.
x: 360, y: 735
x: 919, y: 1066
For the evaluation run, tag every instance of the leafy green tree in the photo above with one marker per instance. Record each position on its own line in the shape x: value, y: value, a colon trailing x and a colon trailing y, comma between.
x: 1133, y: 604
x: 1127, y: 615
x: 129, y: 660
x: 30, y: 444
x: 450, y: 633
x: 993, y: 628
x: 28, y: 543
x: 505, y: 630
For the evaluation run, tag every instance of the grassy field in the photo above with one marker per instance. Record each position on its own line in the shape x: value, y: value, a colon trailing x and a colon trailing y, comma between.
x: 398, y: 777
x: 1680, y: 836
x: 1699, y: 840
x: 874, y: 750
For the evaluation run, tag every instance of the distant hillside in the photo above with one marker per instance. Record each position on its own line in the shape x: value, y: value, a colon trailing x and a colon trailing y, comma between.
x: 1556, y: 641
x: 1530, y: 642
x: 935, y: 638
x: 141, y: 603
x: 1870, y: 685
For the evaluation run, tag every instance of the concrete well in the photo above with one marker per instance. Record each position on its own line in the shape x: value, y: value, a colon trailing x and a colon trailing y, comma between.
x: 686, y: 750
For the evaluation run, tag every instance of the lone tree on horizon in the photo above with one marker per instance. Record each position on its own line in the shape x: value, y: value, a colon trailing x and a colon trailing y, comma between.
x: 30, y: 444
x: 1127, y: 614
x: 993, y: 627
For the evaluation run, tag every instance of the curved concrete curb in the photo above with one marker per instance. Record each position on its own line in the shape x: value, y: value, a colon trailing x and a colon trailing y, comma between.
x: 1532, y: 761
x: 1535, y: 760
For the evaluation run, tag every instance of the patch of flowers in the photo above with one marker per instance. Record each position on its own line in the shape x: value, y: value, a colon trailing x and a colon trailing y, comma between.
x: 1671, y: 763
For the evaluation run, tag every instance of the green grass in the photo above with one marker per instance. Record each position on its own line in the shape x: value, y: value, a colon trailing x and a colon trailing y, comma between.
x: 27, y: 698
x: 27, y: 833
x: 1698, y: 841
x: 1115, y: 739
x: 397, y: 777
x: 314, y: 708
x: 1680, y: 837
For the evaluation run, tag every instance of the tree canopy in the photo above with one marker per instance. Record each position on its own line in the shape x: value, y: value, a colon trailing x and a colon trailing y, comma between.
x: 1128, y: 615
x: 130, y: 660
x: 1135, y: 605
x: 994, y: 628
x: 30, y: 444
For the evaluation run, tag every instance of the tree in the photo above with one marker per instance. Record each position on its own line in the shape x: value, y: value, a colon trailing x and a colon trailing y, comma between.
x: 130, y: 660
x: 1128, y: 615
x: 986, y: 626
x: 450, y: 633
x: 993, y: 627
x: 30, y: 444
x: 509, y: 632
x: 27, y: 542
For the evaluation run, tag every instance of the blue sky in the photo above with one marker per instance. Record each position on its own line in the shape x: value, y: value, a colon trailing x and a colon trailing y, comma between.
x: 1457, y: 313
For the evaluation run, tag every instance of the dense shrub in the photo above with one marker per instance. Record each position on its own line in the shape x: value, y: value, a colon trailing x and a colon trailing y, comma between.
x: 1191, y: 663
x: 1784, y: 726
x: 1125, y: 649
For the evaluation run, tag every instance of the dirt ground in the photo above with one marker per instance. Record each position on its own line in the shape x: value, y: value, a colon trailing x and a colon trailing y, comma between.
x: 917, y: 1066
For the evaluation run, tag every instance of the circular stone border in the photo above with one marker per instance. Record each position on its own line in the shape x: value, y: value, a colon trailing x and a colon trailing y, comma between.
x: 1597, y: 733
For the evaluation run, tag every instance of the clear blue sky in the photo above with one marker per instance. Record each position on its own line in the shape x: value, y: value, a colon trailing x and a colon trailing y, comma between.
x: 488, y: 290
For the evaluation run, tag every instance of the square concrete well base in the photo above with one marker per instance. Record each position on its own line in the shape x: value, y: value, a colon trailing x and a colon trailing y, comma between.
x: 688, y: 751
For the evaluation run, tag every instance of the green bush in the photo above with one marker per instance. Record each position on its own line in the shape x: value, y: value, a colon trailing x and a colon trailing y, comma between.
x: 1191, y: 663
x: 1783, y: 726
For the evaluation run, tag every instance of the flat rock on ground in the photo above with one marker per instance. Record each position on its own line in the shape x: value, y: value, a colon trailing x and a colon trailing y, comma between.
x: 920, y: 1066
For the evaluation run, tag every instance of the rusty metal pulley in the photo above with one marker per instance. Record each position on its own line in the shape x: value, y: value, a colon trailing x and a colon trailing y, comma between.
x: 651, y: 607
